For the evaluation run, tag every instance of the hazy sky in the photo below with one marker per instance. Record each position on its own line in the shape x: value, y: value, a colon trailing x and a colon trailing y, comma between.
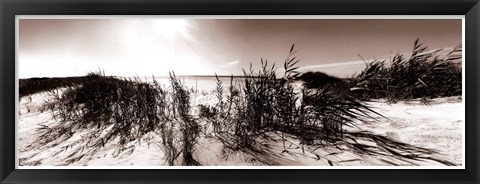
x: 129, y: 47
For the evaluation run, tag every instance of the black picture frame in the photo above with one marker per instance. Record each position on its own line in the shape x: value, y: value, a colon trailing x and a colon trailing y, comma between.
x: 10, y: 8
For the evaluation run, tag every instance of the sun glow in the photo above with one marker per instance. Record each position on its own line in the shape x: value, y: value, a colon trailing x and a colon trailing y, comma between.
x: 173, y: 30
x: 159, y: 46
x: 170, y: 28
x: 129, y: 47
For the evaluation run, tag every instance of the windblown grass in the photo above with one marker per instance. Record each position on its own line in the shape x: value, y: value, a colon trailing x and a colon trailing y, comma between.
x: 422, y: 75
x: 317, y: 116
x: 111, y: 108
x: 188, y: 127
x: 270, y: 103
x: 124, y: 110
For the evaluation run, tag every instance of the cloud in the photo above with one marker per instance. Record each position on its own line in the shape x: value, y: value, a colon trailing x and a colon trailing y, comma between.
x: 331, y: 65
x: 234, y: 62
x: 230, y: 64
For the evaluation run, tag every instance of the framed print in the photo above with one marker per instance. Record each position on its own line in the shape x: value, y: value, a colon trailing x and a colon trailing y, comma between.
x: 188, y: 92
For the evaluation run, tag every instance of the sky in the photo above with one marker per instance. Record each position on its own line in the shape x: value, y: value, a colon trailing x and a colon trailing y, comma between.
x: 155, y: 46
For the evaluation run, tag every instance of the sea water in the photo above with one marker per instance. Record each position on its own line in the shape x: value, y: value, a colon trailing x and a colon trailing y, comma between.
x: 201, y: 83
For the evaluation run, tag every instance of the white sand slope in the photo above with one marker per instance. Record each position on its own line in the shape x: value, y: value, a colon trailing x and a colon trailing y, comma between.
x: 437, y: 127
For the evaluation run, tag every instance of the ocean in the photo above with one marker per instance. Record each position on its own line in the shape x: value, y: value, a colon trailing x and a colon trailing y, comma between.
x: 200, y: 83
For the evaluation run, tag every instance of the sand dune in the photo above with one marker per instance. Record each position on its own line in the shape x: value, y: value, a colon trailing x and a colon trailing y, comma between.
x: 437, y: 126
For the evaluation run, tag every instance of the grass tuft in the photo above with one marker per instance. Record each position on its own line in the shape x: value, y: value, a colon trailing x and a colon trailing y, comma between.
x: 422, y: 75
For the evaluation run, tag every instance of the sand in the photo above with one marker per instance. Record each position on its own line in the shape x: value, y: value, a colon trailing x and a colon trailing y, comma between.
x: 437, y: 126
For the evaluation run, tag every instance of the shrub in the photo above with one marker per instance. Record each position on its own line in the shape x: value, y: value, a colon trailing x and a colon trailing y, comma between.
x: 320, y: 80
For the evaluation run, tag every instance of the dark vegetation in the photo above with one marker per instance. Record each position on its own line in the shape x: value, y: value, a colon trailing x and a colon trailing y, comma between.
x: 35, y: 85
x: 321, y: 80
x: 317, y: 115
x: 267, y: 103
x: 125, y: 110
x: 422, y: 75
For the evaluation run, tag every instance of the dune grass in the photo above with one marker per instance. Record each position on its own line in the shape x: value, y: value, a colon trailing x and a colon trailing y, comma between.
x: 112, y: 109
x: 268, y: 103
x: 422, y: 75
x: 317, y: 115
x: 124, y: 110
x: 188, y: 127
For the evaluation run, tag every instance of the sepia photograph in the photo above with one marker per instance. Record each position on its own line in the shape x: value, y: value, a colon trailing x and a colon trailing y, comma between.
x: 248, y: 92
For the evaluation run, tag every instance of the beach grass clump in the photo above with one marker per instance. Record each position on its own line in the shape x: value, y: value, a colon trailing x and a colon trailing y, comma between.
x: 111, y: 108
x: 169, y: 144
x: 124, y: 110
x: 219, y: 115
x: 424, y: 74
x: 332, y: 112
x: 183, y: 121
x: 268, y: 103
